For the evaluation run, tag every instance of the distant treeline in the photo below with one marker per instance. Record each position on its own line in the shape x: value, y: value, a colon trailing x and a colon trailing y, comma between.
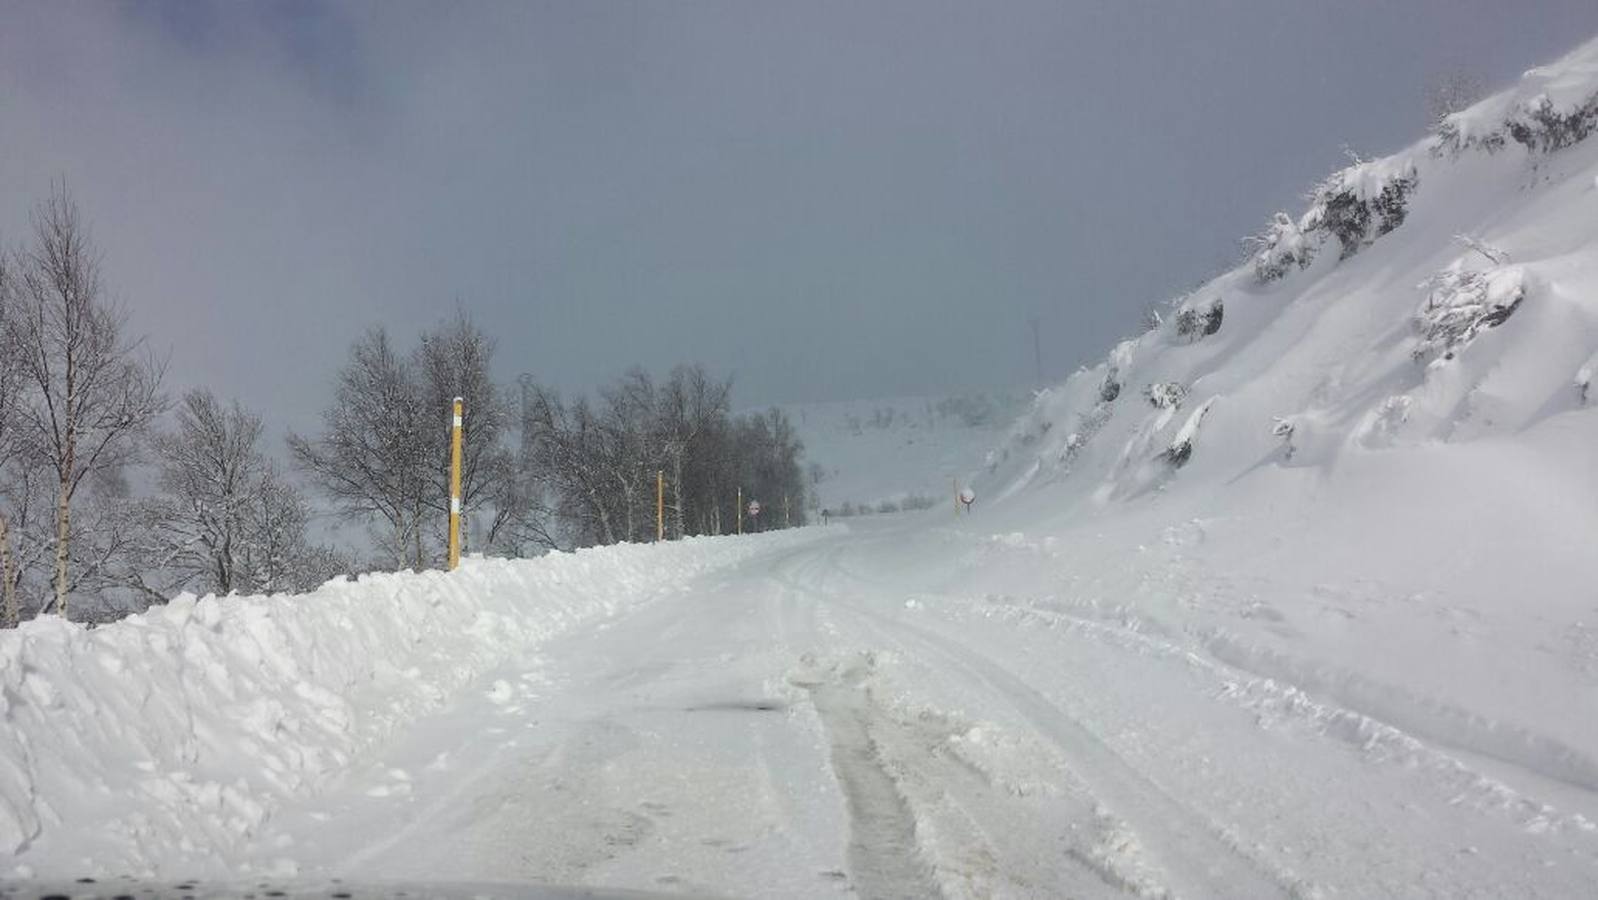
x: 910, y: 503
x: 84, y: 419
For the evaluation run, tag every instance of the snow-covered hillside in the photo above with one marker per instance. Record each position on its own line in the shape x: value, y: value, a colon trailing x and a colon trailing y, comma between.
x: 867, y: 452
x: 1447, y: 293
x: 1366, y: 462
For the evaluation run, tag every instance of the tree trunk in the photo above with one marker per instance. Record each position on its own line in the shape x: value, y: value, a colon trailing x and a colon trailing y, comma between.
x: 676, y: 492
x: 9, y: 614
x: 63, y: 537
x: 416, y: 536
x: 68, y: 461
x: 224, y: 569
x: 628, y: 511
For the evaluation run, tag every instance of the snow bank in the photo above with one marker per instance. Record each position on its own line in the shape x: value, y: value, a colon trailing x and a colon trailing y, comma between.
x: 187, y: 725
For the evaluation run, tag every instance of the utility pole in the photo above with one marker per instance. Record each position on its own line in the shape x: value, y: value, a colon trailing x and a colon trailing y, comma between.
x: 455, y: 485
x: 660, y: 504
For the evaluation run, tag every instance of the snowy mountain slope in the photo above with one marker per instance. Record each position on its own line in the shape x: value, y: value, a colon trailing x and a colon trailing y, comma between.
x: 1342, y: 355
x: 1363, y: 463
x: 870, y: 451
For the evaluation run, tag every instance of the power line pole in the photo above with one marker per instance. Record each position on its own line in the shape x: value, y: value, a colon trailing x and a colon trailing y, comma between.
x: 455, y: 485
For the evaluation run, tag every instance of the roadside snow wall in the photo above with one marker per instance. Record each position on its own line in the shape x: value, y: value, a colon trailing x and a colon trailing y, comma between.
x: 189, y: 724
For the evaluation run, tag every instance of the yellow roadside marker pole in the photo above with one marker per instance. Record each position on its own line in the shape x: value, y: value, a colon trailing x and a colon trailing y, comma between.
x: 660, y: 504
x: 455, y: 486
x: 956, y: 483
x: 740, y: 510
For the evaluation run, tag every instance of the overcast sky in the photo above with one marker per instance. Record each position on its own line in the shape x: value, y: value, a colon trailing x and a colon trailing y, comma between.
x: 830, y: 200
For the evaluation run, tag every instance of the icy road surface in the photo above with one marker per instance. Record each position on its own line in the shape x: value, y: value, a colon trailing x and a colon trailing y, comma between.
x: 821, y: 720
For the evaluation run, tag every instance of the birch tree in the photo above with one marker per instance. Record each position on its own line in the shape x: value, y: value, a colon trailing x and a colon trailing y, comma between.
x: 88, y: 396
x: 209, y: 466
x: 10, y: 377
x: 372, y: 458
x: 598, y: 466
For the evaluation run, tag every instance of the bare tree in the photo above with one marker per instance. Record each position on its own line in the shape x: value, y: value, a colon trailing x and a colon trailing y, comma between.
x: 456, y: 360
x: 373, y: 456
x: 599, y: 467
x: 630, y: 448
x: 691, y: 404
x: 211, y: 469
x: 561, y: 446
x: 87, y: 397
x: 277, y: 555
x: 10, y: 383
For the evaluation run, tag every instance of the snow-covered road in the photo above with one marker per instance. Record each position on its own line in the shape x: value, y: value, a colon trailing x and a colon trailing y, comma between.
x: 832, y: 719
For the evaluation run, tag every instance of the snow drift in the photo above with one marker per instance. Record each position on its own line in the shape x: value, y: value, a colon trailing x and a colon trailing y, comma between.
x: 184, y: 727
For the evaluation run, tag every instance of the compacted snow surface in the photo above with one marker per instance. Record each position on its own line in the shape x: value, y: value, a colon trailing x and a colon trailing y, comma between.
x: 1291, y: 596
x: 900, y: 709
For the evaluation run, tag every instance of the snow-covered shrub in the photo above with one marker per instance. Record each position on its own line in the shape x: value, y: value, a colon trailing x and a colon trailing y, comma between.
x: 1453, y: 139
x: 1177, y: 454
x: 1384, y: 423
x: 1584, y: 378
x: 1187, y: 323
x: 1551, y: 108
x: 1120, y: 360
x: 1181, y: 448
x: 1088, y: 424
x: 1285, y: 245
x: 1362, y: 202
x: 1165, y: 394
x: 1283, y: 428
x: 1193, y: 323
x: 1461, y: 302
x: 1540, y: 126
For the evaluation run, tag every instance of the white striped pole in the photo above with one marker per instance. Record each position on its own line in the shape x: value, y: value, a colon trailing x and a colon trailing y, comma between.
x: 455, y: 486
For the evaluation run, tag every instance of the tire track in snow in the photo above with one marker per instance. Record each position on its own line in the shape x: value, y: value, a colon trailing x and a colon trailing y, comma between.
x: 883, y: 854
x: 1200, y: 859
x: 884, y: 863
